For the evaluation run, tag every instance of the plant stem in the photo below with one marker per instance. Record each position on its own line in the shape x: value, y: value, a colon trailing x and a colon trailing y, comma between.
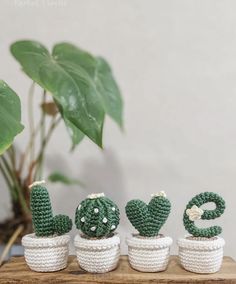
x: 8, y: 181
x: 28, y: 147
x: 16, y: 185
x: 31, y: 119
x: 43, y: 116
x: 39, y: 159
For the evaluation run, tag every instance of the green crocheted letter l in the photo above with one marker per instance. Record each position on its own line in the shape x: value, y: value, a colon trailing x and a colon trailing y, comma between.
x: 148, y: 219
x: 42, y: 217
x: 193, y: 212
x: 97, y: 216
x: 44, y: 223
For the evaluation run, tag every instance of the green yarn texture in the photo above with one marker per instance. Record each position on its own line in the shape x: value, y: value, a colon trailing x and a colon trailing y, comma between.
x: 62, y: 224
x: 199, y: 200
x: 42, y: 217
x: 148, y: 219
x: 97, y: 217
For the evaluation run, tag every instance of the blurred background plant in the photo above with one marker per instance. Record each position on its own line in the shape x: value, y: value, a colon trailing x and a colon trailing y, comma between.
x: 78, y: 89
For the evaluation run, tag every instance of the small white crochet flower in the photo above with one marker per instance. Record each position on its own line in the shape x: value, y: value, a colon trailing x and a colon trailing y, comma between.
x: 96, y: 210
x: 37, y: 183
x: 161, y: 193
x: 95, y: 195
x: 113, y: 209
x: 104, y: 220
x: 113, y: 227
x: 194, y: 213
x: 93, y: 228
x: 82, y: 219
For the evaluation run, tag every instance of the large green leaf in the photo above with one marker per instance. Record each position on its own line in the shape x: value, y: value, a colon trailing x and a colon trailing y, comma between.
x: 75, y: 134
x: 108, y: 90
x: 10, y: 116
x: 100, y: 73
x: 69, y: 83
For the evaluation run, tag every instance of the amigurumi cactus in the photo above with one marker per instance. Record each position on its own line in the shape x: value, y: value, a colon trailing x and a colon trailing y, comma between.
x: 148, y: 218
x: 194, y: 212
x: 97, y: 216
x: 42, y: 217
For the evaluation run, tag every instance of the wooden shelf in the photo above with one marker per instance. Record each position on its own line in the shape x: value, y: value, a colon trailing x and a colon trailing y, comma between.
x: 16, y: 271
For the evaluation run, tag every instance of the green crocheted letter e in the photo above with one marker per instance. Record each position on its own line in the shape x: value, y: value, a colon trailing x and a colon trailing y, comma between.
x: 62, y: 224
x: 44, y: 223
x: 148, y: 219
x: 193, y: 212
x: 42, y: 217
x: 97, y: 216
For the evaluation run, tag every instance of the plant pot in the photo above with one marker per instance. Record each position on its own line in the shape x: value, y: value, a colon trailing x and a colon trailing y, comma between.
x: 201, y: 255
x: 46, y: 254
x: 149, y: 254
x: 97, y: 255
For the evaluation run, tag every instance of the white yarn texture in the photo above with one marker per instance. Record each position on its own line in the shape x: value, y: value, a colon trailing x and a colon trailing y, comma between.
x: 149, y: 254
x: 201, y: 256
x: 97, y: 255
x: 46, y: 254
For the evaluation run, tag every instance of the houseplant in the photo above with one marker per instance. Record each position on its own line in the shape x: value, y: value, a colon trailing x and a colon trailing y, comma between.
x: 47, y: 249
x: 98, y: 247
x: 149, y: 251
x: 77, y: 90
x: 202, y: 251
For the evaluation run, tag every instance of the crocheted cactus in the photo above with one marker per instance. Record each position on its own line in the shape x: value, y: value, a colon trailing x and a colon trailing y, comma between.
x: 149, y: 218
x: 42, y: 217
x: 97, y: 216
x: 194, y: 212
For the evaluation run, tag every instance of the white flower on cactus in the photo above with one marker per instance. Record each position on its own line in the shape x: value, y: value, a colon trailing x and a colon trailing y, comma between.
x: 79, y: 207
x: 93, y: 228
x: 113, y: 209
x: 104, y: 220
x: 39, y: 182
x: 161, y: 193
x: 82, y: 219
x: 96, y: 210
x: 194, y: 213
x: 113, y: 227
x: 95, y: 195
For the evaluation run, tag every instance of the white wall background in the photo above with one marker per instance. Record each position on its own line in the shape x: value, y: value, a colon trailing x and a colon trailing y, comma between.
x: 176, y: 64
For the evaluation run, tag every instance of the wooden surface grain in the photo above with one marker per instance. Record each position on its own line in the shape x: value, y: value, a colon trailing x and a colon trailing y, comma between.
x: 16, y: 271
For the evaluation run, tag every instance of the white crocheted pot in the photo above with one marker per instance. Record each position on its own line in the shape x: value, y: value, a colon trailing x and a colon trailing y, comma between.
x: 149, y: 254
x: 201, y: 255
x: 46, y: 254
x: 97, y: 255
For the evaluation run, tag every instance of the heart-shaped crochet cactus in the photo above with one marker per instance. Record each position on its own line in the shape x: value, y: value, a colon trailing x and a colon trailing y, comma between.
x: 148, y: 218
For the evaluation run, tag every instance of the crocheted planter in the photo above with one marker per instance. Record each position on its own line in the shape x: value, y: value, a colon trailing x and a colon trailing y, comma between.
x: 45, y: 254
x: 97, y: 255
x: 202, y: 251
x: 201, y: 255
x: 149, y: 254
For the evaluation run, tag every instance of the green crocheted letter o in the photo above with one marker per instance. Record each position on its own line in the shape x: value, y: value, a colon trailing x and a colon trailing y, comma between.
x: 148, y: 219
x: 97, y: 216
x: 194, y: 212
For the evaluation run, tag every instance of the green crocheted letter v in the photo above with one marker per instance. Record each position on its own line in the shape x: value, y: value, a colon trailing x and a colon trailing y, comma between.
x: 193, y: 212
x: 148, y: 219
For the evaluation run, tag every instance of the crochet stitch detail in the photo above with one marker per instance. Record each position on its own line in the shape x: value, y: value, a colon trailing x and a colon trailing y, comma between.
x: 197, y: 202
x: 42, y: 217
x: 148, y: 218
x: 97, y: 217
